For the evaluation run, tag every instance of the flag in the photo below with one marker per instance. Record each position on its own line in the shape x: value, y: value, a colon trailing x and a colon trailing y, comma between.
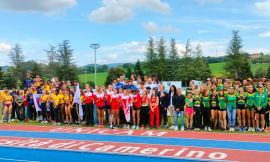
x: 36, y: 98
x: 77, y: 100
x: 126, y: 109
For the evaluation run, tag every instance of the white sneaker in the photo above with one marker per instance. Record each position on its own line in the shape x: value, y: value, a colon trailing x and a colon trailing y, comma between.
x: 182, y: 128
x: 249, y: 129
x: 172, y: 127
x: 209, y: 129
x: 176, y: 128
x: 46, y: 122
x: 205, y: 128
x: 253, y: 130
x: 233, y: 129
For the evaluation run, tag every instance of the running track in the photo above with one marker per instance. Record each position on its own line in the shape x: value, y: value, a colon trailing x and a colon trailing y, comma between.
x: 25, y: 143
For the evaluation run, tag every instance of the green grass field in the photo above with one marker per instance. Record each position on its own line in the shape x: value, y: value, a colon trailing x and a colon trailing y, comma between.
x: 217, y: 69
x: 101, y: 77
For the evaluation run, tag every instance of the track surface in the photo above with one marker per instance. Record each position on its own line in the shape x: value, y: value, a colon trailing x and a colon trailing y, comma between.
x: 25, y: 143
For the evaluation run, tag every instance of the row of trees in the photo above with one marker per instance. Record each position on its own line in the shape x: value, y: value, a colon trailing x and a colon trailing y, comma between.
x: 60, y: 64
x: 166, y: 63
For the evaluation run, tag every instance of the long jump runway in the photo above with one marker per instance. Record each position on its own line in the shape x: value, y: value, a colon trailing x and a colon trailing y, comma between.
x: 25, y: 143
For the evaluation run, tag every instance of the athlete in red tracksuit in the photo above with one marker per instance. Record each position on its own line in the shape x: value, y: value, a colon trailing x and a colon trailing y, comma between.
x: 154, y: 109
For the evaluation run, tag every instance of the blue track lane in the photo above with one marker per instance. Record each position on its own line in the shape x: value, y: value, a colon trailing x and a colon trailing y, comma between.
x: 8, y: 154
x: 145, y: 140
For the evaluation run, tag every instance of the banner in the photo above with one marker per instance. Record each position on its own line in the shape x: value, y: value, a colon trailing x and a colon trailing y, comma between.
x: 77, y: 100
x: 36, y: 98
x: 167, y: 84
x: 126, y: 109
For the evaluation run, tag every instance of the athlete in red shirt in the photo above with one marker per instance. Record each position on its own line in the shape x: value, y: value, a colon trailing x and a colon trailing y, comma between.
x: 137, y: 103
x: 115, y: 104
x: 154, y: 109
x: 100, y: 103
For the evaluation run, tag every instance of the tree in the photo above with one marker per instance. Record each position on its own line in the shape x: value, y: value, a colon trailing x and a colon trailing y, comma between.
x: 67, y: 70
x: 172, y: 62
x: 1, y: 76
x: 202, y: 70
x: 268, y: 72
x: 36, y: 70
x: 237, y: 64
x: 186, y: 68
x: 52, y: 61
x: 17, y: 59
x: 138, y: 69
x: 161, y: 68
x: 151, y: 63
x: 113, y: 74
x: 128, y: 72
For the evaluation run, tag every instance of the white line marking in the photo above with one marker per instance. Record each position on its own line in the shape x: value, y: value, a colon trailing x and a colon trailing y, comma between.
x: 6, y: 159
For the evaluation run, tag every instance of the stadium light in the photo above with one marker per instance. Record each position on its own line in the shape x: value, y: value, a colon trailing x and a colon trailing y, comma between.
x: 95, y: 46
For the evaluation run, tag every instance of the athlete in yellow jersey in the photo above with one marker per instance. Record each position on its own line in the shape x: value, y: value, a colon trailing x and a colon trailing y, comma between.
x: 44, y: 104
x: 57, y: 107
x: 62, y: 103
x: 8, y: 99
x: 68, y: 105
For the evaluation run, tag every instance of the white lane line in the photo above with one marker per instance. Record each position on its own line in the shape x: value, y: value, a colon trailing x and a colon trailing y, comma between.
x: 18, y: 160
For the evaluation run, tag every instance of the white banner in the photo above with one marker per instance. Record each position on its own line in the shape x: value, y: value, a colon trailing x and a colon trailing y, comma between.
x: 36, y: 98
x: 77, y: 99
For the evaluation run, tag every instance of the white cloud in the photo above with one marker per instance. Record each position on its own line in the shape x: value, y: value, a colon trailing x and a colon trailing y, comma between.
x: 5, y: 48
x: 202, y: 31
x: 152, y: 27
x: 43, y: 6
x: 265, y: 34
x: 204, y: 2
x: 120, y: 10
x: 263, y: 7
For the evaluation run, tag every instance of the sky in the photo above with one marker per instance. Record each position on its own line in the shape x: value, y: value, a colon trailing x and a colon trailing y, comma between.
x: 123, y: 27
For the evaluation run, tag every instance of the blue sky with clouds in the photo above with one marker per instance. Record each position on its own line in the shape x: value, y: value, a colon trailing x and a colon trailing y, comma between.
x: 122, y: 27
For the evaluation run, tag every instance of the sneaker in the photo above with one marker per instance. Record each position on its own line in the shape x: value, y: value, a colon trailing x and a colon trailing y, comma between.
x: 58, y: 123
x: 253, y: 129
x: 182, y: 128
x: 54, y: 123
x: 137, y: 127
x: 209, y: 129
x: 233, y: 129
x: 46, y: 122
x: 262, y: 130
x: 249, y: 129
x: 205, y: 128
x: 176, y: 128
x: 172, y: 127
x: 127, y: 126
x: 133, y: 127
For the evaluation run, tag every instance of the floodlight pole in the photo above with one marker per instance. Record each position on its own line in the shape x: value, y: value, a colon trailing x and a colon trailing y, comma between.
x: 95, y: 46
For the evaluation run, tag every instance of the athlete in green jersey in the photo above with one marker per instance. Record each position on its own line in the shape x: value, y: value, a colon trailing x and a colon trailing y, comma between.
x: 241, y: 110
x: 250, y: 107
x: 222, y: 109
x: 231, y: 108
x: 260, y: 102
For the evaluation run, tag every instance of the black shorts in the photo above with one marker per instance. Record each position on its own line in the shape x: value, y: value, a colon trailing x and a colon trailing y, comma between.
x: 222, y: 110
x: 214, y: 108
x: 262, y: 111
x: 108, y: 107
x: 241, y: 107
x: 135, y: 108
